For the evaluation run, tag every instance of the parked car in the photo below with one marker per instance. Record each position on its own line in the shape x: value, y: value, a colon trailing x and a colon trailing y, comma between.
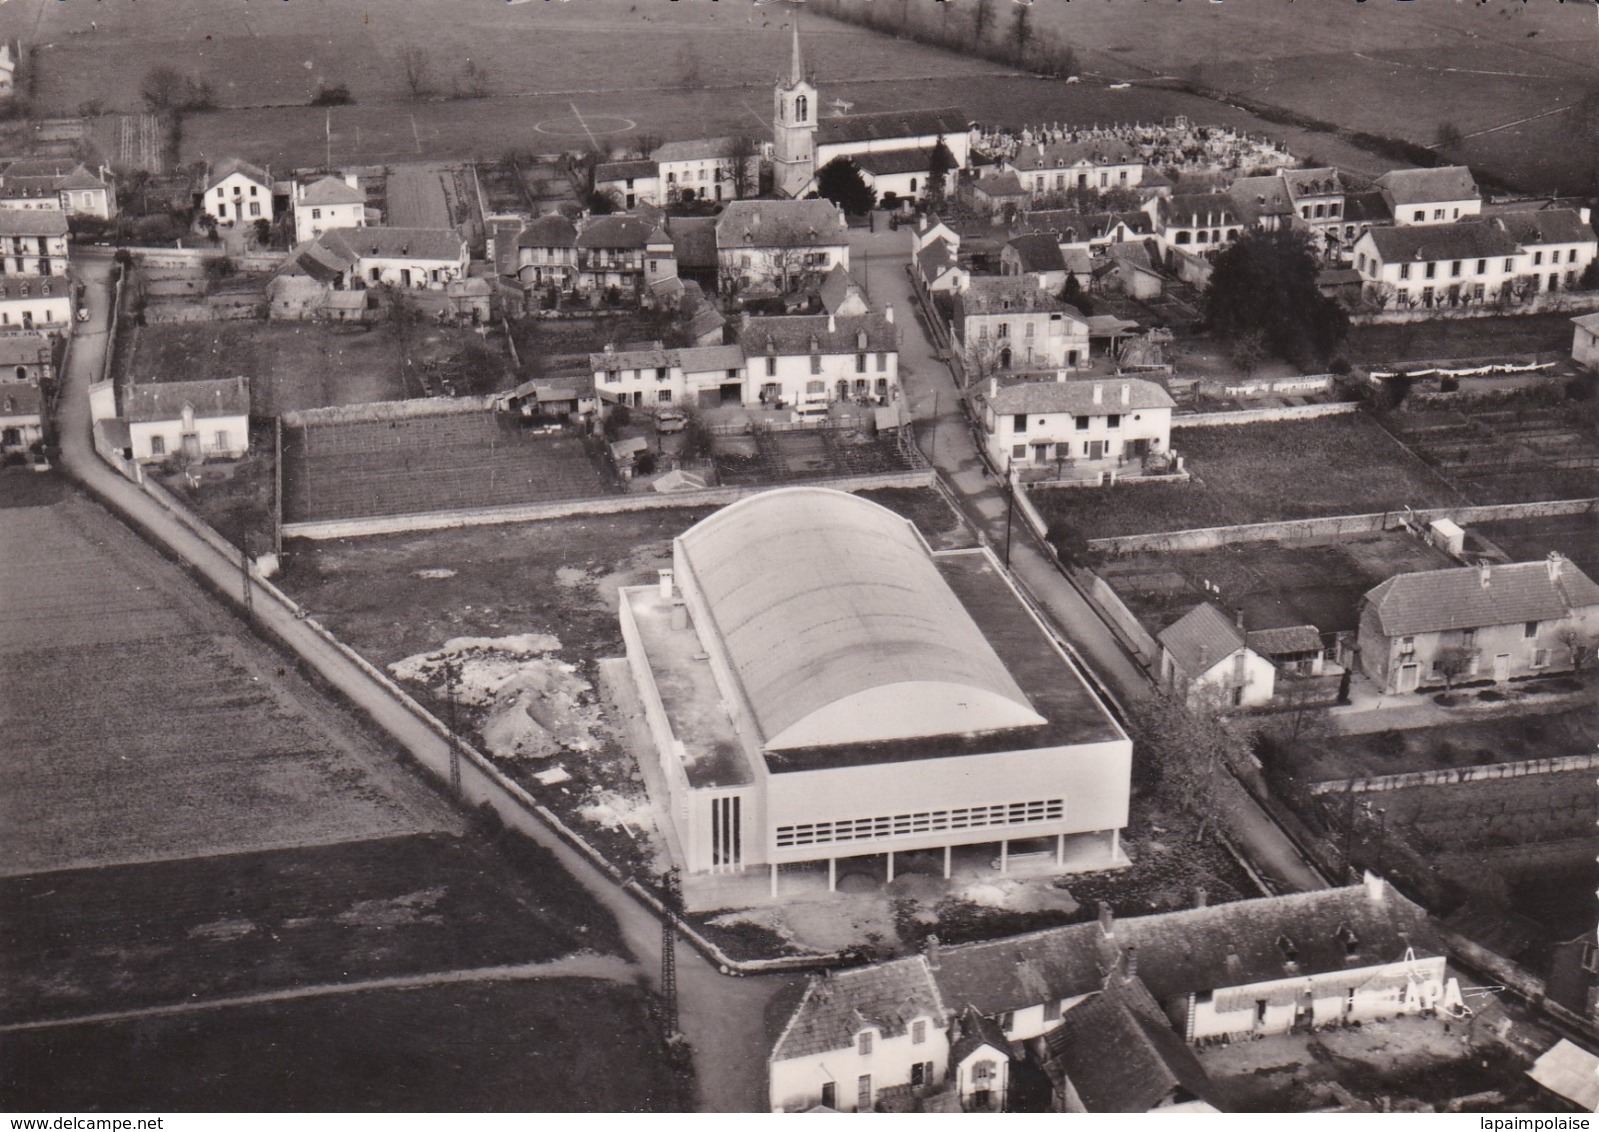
x: 83, y: 314
x: 670, y: 420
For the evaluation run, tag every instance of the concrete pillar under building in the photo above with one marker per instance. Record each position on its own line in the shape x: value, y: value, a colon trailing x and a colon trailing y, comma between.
x: 946, y: 862
x: 1060, y: 850
x: 1004, y: 857
x: 890, y: 866
x: 774, y: 880
x: 1115, y: 844
x: 832, y: 874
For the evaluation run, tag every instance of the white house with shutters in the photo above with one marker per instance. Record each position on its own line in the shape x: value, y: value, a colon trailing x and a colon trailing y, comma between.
x: 325, y: 204
x: 237, y: 192
x: 194, y: 419
x: 1038, y: 424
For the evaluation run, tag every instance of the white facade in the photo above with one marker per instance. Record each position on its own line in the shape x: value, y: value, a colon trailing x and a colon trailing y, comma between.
x: 1449, y: 275
x: 708, y: 177
x: 1107, y: 425
x: 1242, y: 678
x: 813, y: 381
x: 35, y: 305
x: 325, y: 205
x: 1585, y: 340
x: 851, y: 1079
x: 237, y: 198
x: 225, y: 436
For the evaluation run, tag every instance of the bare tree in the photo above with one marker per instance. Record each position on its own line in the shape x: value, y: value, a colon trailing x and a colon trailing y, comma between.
x: 472, y: 82
x: 690, y: 71
x: 1185, y: 748
x: 744, y: 170
x: 417, y: 67
x: 1454, y: 662
x: 1580, y: 647
x: 1021, y: 31
x: 645, y: 143
x: 982, y: 19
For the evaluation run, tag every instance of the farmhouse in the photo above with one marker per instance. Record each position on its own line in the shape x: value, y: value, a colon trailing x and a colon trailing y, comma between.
x: 1149, y: 986
x: 612, y: 252
x: 1523, y: 619
x: 1098, y: 165
x: 1204, y: 654
x: 352, y: 258
x: 629, y: 183
x: 34, y: 241
x: 194, y: 419
x: 779, y: 245
x: 1041, y: 424
x: 35, y: 303
x: 235, y: 190
x: 1585, y: 340
x: 806, y: 362
x: 1442, y: 265
x: 937, y: 268
x: 1430, y: 196
x: 1009, y: 325
x: 915, y: 704
x: 707, y: 168
x: 547, y: 253
x: 327, y: 203
x: 58, y: 183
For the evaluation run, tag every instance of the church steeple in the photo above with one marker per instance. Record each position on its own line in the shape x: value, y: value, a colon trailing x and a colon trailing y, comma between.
x: 794, y: 113
x: 796, y: 65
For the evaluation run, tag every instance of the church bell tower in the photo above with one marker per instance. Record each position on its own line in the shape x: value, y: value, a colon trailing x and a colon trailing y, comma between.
x: 794, y: 110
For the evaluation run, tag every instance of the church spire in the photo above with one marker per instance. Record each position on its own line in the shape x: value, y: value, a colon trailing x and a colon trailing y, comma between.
x: 796, y: 66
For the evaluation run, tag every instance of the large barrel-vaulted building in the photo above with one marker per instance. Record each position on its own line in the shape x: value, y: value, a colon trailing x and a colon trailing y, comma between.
x: 820, y: 685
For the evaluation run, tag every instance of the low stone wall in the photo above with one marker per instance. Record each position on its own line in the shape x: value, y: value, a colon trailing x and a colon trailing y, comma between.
x: 389, y: 410
x: 1256, y: 416
x: 603, y: 505
x: 1207, y: 538
x: 1067, y: 485
x: 189, y: 257
x: 1458, y: 774
x: 1576, y: 302
x: 1113, y: 609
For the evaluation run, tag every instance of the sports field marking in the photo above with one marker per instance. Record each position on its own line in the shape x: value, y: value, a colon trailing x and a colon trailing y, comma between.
x: 1520, y: 121
x: 590, y: 127
x: 576, y: 113
x: 417, y: 137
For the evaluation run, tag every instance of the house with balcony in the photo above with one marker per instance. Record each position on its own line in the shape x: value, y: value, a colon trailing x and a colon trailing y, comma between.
x: 1079, y: 425
x: 192, y: 419
x: 779, y: 246
x: 546, y: 254
x: 1437, y: 265
x: 1443, y: 195
x: 1194, y: 222
x: 807, y: 362
x: 236, y: 191
x: 1205, y: 655
x: 327, y: 203
x: 1475, y: 622
x: 614, y: 251
x: 1094, y: 166
x: 33, y: 242
x: 1008, y: 325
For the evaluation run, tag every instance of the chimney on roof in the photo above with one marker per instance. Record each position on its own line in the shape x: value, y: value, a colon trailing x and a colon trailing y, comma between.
x: 1130, y: 964
x: 1127, y: 393
x: 1107, y: 920
x: 888, y: 313
x: 832, y: 323
x: 1376, y: 887
x: 930, y: 949
x: 993, y: 386
x: 1238, y: 618
x: 665, y: 576
x: 1201, y: 897
x: 1553, y: 564
x: 610, y: 347
x: 1099, y: 393
x: 1484, y: 573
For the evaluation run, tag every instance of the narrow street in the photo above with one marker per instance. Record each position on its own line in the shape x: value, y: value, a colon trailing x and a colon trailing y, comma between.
x: 723, y: 1018
x: 878, y: 259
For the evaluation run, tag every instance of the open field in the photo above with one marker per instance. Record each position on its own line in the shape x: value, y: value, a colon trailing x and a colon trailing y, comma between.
x: 543, y: 1046
x: 143, y: 725
x: 1526, y: 540
x: 1259, y: 473
x: 775, y: 458
x: 134, y: 936
x: 348, y: 470
x: 1275, y: 584
x: 1447, y: 340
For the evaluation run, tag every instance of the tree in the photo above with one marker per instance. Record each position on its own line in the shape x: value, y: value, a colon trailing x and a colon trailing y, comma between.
x: 472, y: 82
x: 1454, y: 662
x: 646, y: 143
x: 982, y: 19
x: 940, y: 164
x: 163, y: 89
x: 1581, y: 648
x: 743, y: 155
x: 1074, y: 294
x: 1248, y: 351
x: 1266, y: 283
x: 335, y: 94
x: 840, y: 181
x: 1021, y: 31
x: 1181, y: 750
x: 417, y: 67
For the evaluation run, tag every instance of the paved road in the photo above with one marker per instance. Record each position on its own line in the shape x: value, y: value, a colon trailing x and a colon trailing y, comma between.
x: 878, y: 259
x: 724, y: 1018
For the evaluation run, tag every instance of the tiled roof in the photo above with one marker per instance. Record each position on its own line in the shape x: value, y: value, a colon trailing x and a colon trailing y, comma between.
x: 24, y: 349
x: 20, y: 399
x: 837, y: 1007
x: 694, y: 237
x: 35, y: 286
x: 1255, y: 197
x: 549, y: 231
x: 837, y: 288
x: 974, y: 1030
x: 1312, y: 182
x: 797, y: 334
x: 80, y: 179
x: 780, y: 223
x: 1474, y: 239
x: 1571, y: 1072
x: 996, y: 976
x: 164, y: 401
x: 350, y: 244
x: 1369, y: 207
x: 40, y: 167
x: 883, y: 162
x: 1198, y: 210
x: 1425, y: 186
x: 1116, y: 395
x: 946, y: 120
x: 990, y: 294
x: 228, y: 166
x: 1589, y: 322
x: 1282, y: 642
x: 619, y: 231
x: 1200, y: 639
x: 625, y: 170
x: 1545, y: 226
x: 1005, y: 184
x: 1109, y: 1052
x: 1075, y: 227
x: 935, y: 259
x: 653, y: 357
x: 695, y: 149
x: 330, y: 190
x: 32, y: 222
x: 1038, y: 252
x: 1060, y: 155
x: 1471, y: 597
x: 710, y: 359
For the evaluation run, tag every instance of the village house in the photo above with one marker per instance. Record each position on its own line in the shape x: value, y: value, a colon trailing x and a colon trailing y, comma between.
x: 1557, y: 245
x: 1194, y: 222
x: 325, y: 204
x: 938, y: 270
x: 806, y: 362
x: 1067, y: 423
x: 1430, y: 196
x: 234, y: 191
x: 1091, y: 232
x: 899, y: 177
x: 706, y: 169
x: 1585, y: 340
x: 547, y: 254
x: 998, y: 191
x: 841, y: 294
x: 21, y: 415
x: 1437, y: 265
x: 929, y: 229
x: 779, y: 245
x: 58, y: 183
x: 656, y: 377
x: 1512, y: 621
x: 33, y: 242
x: 192, y: 419
x: 1008, y: 325
x: 1204, y: 655
x: 1097, y: 166
x: 628, y: 183
x: 612, y: 252
x: 348, y: 259
x: 30, y: 303
x: 1040, y: 258
x: 26, y: 357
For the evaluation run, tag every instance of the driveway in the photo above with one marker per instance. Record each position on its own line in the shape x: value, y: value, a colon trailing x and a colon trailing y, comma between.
x: 723, y: 1018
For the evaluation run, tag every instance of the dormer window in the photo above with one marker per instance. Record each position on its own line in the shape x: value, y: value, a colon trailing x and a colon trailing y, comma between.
x: 1286, y: 946
x: 1346, y: 936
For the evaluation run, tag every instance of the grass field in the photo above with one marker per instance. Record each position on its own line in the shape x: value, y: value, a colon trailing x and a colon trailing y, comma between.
x: 1506, y: 455
x: 141, y: 725
x: 558, y: 1045
x: 134, y: 936
x: 1527, y: 540
x: 1259, y: 473
x: 1440, y: 341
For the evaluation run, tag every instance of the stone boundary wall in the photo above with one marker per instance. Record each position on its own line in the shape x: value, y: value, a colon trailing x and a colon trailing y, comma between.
x: 1111, y: 606
x: 1207, y: 538
x: 1575, y: 302
x: 601, y: 505
x: 1255, y: 416
x: 1453, y: 775
x: 191, y: 257
x: 1112, y: 481
x: 389, y: 410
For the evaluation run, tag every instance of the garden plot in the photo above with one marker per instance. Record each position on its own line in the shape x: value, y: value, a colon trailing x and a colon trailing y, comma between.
x: 1506, y: 455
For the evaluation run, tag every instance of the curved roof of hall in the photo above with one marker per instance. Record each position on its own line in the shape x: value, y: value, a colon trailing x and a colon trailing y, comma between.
x: 839, y: 627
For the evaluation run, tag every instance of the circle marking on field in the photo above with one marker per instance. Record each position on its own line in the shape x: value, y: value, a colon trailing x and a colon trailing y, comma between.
x: 599, y: 124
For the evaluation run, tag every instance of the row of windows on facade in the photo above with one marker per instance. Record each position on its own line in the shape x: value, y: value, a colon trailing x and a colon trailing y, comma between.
x: 1456, y: 267
x: 1112, y: 420
x: 1420, y: 215
x: 1082, y: 181
x: 236, y: 191
x: 931, y: 821
x: 922, y: 1073
x: 224, y: 442
x: 663, y: 373
x: 1430, y: 296
x: 809, y: 259
x: 1467, y: 638
x: 1002, y: 330
x: 1540, y: 659
x: 45, y: 290
x: 774, y: 392
x: 1206, y: 236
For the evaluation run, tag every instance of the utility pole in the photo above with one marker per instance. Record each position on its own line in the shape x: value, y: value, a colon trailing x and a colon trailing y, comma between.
x: 452, y: 676
x: 1010, y: 508
x: 244, y: 569
x: 672, y: 900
